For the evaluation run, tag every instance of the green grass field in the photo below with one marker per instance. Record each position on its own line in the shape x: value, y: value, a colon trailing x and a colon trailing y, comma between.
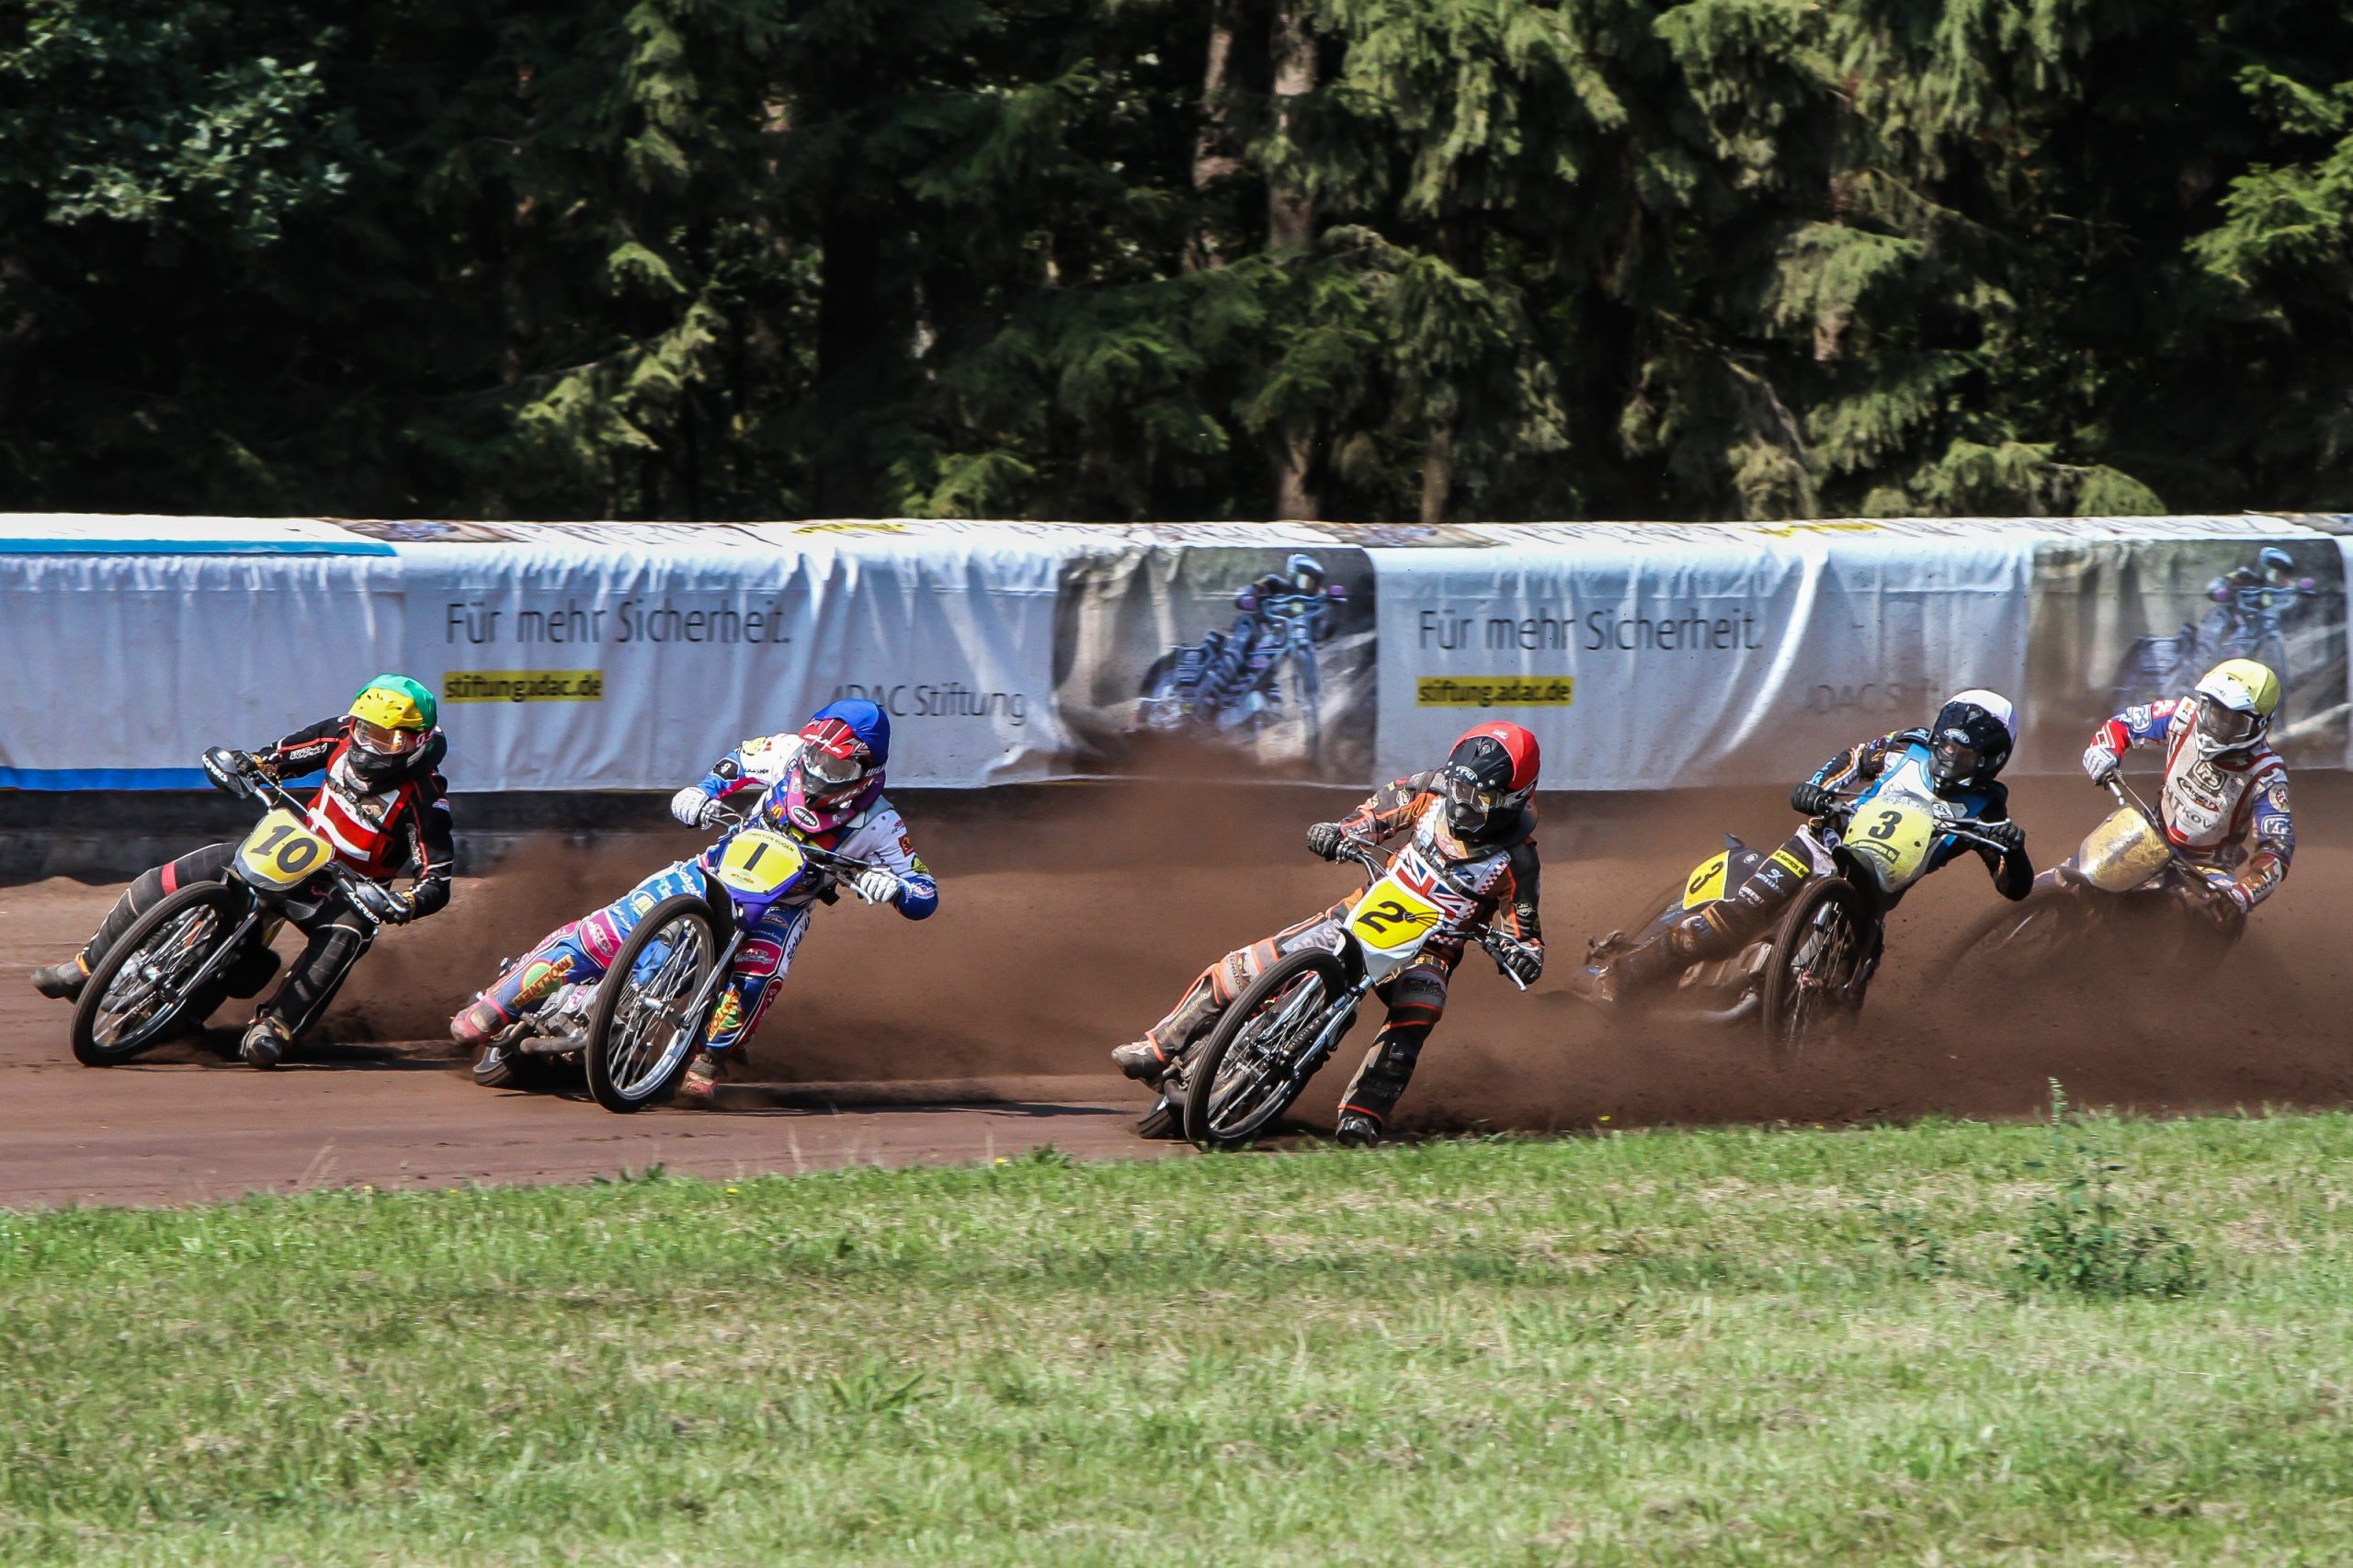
x: 1786, y: 1347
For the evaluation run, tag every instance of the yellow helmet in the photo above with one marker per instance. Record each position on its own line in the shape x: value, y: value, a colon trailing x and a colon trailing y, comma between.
x: 2235, y: 701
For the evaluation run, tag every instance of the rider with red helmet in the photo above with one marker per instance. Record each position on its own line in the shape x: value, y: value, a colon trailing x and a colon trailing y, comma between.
x: 1473, y: 835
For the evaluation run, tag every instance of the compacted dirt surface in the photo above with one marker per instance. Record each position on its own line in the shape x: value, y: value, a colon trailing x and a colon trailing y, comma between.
x: 1068, y: 924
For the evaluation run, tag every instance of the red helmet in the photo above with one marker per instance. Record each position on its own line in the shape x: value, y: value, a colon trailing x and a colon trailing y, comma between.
x: 1492, y: 771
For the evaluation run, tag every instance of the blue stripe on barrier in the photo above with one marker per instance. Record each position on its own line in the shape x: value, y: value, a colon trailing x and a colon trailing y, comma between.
x: 103, y: 779
x: 193, y: 547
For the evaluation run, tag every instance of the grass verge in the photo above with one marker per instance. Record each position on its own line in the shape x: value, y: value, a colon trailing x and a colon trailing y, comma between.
x: 1719, y: 1347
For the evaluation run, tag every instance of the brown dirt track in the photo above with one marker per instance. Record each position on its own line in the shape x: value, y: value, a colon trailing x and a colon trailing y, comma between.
x: 1064, y: 930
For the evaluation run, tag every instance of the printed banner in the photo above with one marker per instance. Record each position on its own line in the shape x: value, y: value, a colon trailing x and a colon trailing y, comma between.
x: 1646, y: 658
x: 628, y: 655
x: 1256, y: 659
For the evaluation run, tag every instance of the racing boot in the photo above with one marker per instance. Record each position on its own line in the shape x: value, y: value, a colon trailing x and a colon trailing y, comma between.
x: 698, y: 1087
x: 1143, y: 1061
x: 1357, y: 1130
x: 61, y: 981
x: 480, y: 1024
x: 265, y: 1044
x: 1629, y: 972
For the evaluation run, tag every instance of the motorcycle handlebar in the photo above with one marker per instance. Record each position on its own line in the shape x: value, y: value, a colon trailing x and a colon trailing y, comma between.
x: 1485, y: 936
x: 733, y: 819
x: 371, y: 899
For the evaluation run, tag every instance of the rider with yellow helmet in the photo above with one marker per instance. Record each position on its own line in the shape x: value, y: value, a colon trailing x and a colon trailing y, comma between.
x: 381, y: 806
x: 2225, y: 800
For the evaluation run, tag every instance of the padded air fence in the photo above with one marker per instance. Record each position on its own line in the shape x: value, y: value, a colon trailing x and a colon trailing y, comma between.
x: 610, y: 656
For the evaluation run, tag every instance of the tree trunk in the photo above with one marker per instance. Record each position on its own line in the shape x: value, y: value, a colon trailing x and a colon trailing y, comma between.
x: 855, y: 337
x: 1438, y: 473
x: 1291, y: 227
x: 1215, y: 157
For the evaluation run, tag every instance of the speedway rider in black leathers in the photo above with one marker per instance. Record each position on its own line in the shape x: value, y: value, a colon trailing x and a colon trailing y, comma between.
x: 1956, y: 757
x: 382, y: 807
x: 1473, y: 830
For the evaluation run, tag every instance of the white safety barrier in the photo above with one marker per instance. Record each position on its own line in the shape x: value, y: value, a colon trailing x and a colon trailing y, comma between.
x: 628, y: 656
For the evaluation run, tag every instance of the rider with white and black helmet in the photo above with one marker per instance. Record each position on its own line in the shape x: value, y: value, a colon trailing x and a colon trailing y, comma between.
x: 1958, y: 756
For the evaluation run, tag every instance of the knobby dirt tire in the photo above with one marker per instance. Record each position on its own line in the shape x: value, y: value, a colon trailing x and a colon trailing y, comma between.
x: 597, y: 1055
x: 187, y: 1010
x: 2012, y: 944
x: 1201, y: 1073
x: 1791, y: 1013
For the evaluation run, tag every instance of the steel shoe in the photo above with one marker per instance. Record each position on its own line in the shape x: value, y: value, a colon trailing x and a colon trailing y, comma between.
x: 265, y: 1044
x: 61, y: 981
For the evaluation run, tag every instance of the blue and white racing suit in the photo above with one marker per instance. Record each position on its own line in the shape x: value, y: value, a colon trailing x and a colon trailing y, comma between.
x: 584, y: 949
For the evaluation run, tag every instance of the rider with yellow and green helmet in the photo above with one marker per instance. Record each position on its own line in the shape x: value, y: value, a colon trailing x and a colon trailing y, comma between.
x: 383, y: 806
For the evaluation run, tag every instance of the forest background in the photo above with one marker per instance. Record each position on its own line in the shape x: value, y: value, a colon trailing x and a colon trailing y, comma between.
x: 1156, y: 259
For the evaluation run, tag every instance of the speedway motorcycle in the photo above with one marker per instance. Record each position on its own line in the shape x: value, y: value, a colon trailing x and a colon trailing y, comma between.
x: 1287, y: 1022
x: 209, y: 941
x: 2123, y: 882
x: 1229, y: 684
x: 656, y: 1001
x: 1807, y: 976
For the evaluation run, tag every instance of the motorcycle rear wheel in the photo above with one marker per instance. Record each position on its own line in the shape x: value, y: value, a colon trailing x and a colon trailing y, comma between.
x: 1820, y: 958
x: 1224, y: 1107
x: 639, y: 1040
x: 173, y: 939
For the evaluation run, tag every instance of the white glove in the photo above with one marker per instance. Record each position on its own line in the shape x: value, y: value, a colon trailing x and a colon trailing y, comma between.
x: 689, y: 804
x: 876, y: 885
x: 2102, y: 764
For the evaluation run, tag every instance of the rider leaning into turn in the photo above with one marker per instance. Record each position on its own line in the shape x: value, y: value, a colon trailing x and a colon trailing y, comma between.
x: 2225, y: 799
x: 1956, y: 758
x: 1474, y: 831
x: 823, y: 785
x: 382, y: 808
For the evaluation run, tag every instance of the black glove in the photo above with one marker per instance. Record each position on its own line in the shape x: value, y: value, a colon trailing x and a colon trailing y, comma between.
x: 1523, y: 963
x: 2009, y: 834
x: 394, y: 908
x: 1324, y: 839
x: 1813, y: 800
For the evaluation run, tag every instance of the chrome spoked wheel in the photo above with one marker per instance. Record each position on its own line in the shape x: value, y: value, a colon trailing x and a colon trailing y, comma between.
x: 1254, y: 1063
x: 142, y: 988
x: 646, y: 1023
x: 1819, y: 963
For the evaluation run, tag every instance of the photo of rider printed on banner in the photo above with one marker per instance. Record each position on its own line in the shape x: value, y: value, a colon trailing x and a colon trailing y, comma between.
x: 2116, y: 624
x: 1261, y: 656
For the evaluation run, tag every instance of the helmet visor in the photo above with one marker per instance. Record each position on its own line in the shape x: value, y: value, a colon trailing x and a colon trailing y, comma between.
x: 383, y: 740
x: 2221, y: 726
x: 1953, y: 760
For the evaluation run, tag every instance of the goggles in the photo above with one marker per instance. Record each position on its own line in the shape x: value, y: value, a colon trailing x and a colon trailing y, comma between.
x: 385, y: 741
x: 829, y: 771
x: 1466, y: 796
x: 2224, y: 726
x: 1955, y: 759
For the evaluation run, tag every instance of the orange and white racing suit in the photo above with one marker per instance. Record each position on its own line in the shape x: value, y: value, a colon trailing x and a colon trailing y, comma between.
x: 1492, y: 880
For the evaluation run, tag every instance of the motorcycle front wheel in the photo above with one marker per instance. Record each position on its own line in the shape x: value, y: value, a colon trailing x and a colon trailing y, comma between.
x: 1246, y: 1074
x: 2022, y: 942
x: 641, y: 1034
x: 1820, y: 957
x: 138, y: 991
